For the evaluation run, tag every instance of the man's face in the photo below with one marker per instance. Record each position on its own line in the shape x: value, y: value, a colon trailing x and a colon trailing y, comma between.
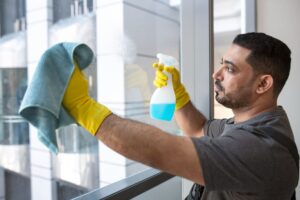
x: 235, y: 80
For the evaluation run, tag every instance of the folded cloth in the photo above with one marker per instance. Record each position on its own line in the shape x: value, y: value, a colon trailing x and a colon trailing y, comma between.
x: 42, y: 102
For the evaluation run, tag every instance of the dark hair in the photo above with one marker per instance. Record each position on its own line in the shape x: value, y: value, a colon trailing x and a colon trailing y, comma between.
x: 268, y: 56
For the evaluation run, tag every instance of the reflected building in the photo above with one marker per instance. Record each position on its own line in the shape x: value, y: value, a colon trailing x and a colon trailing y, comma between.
x: 14, y: 130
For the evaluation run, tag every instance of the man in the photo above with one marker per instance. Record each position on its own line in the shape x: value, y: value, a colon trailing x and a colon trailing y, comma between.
x: 232, y: 158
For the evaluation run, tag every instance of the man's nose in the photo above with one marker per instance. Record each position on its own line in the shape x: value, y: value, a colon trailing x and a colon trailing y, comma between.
x: 217, y: 75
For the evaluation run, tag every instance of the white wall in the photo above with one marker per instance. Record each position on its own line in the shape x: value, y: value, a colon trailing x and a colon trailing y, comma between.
x: 281, y: 19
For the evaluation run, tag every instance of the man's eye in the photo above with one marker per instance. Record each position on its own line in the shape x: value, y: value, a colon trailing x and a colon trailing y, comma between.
x: 229, y: 69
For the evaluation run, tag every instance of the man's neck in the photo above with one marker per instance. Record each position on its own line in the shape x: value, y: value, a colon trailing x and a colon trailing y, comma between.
x: 246, y: 113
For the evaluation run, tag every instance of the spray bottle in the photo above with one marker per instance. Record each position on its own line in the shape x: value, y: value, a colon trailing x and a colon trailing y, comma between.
x: 163, y: 100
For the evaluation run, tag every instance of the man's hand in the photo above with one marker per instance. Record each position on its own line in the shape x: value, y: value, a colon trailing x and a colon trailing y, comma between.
x: 182, y: 97
x: 85, y: 110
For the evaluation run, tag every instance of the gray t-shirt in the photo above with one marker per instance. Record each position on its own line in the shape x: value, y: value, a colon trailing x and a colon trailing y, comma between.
x: 240, y: 162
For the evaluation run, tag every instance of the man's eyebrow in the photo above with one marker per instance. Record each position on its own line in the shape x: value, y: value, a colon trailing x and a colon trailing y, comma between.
x: 229, y: 62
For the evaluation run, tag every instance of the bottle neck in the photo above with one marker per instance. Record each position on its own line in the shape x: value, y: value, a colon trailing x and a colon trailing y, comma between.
x: 169, y: 82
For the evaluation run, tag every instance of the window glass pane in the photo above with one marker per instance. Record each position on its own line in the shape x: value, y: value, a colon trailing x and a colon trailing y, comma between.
x: 125, y: 37
x: 227, y: 24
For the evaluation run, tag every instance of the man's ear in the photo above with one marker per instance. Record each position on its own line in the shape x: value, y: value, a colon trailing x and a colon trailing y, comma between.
x: 265, y: 83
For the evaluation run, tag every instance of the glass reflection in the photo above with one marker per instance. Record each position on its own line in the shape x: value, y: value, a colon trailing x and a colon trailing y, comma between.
x: 14, y: 129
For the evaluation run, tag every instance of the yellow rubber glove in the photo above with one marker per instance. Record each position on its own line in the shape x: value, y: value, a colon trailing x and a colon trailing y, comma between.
x: 182, y: 97
x: 85, y: 110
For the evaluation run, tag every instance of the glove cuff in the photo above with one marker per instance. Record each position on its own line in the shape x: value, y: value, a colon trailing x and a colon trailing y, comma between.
x: 90, y: 115
x: 182, y: 97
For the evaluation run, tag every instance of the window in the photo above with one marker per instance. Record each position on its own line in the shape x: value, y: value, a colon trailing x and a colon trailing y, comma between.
x: 125, y: 37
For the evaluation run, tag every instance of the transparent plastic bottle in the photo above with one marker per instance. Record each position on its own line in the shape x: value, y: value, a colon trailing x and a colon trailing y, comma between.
x: 163, y: 100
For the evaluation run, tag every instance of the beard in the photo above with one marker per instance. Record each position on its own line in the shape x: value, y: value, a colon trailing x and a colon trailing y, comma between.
x: 230, y: 100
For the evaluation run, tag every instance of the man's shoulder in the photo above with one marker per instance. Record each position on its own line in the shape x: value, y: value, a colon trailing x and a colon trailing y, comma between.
x: 276, y: 121
x: 215, y: 127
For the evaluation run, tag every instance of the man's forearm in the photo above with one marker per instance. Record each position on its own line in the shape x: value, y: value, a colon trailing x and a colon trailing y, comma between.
x: 190, y: 120
x: 151, y: 146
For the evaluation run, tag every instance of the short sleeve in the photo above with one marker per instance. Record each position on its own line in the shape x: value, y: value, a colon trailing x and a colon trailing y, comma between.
x: 236, y: 162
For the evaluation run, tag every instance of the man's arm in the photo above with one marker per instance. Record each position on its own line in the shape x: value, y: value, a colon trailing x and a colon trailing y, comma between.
x: 190, y: 120
x: 137, y: 141
x: 151, y: 146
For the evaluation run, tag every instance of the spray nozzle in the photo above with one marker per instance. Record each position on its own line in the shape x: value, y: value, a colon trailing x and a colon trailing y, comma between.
x: 167, y: 60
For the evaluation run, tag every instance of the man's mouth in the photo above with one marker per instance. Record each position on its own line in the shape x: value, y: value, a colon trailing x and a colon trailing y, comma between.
x: 216, y: 89
x: 218, y: 86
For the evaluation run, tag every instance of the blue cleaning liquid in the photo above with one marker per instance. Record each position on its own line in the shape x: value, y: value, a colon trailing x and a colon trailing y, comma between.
x: 162, y: 111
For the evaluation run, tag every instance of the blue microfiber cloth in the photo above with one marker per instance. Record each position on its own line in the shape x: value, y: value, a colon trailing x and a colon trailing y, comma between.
x: 42, y: 102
